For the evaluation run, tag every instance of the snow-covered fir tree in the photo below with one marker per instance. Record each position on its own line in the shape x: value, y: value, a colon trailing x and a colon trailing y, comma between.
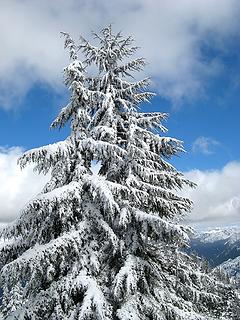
x: 107, y: 245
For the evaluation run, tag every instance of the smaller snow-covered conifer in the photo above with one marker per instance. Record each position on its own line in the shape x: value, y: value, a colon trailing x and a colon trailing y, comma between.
x: 107, y: 245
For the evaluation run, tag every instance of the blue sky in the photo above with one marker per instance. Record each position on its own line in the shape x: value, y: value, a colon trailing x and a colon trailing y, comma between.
x: 194, y: 61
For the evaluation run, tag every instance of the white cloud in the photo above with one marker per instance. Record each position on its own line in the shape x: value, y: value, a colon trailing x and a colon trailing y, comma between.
x: 17, y: 187
x: 171, y: 34
x: 217, y: 196
x: 205, y: 145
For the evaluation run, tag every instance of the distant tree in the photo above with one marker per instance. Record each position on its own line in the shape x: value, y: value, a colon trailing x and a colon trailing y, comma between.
x: 107, y: 245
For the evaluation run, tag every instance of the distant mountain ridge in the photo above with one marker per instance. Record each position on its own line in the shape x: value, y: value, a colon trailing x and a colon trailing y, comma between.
x: 232, y: 267
x: 229, y: 234
x: 217, y: 245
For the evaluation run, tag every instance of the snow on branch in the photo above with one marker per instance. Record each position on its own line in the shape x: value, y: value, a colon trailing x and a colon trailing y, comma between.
x: 42, y: 256
x: 94, y: 304
x: 99, y: 189
x: 47, y: 156
x: 164, y: 229
x: 70, y: 44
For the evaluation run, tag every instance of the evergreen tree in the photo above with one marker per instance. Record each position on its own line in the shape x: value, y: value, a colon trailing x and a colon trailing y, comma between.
x: 107, y: 245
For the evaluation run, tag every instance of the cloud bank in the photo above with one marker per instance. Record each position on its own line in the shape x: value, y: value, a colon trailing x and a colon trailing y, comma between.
x: 216, y: 199
x: 172, y: 35
x: 17, y: 187
x: 217, y: 196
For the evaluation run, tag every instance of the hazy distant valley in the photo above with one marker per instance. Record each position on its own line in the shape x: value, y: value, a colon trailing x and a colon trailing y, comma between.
x: 221, y: 247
